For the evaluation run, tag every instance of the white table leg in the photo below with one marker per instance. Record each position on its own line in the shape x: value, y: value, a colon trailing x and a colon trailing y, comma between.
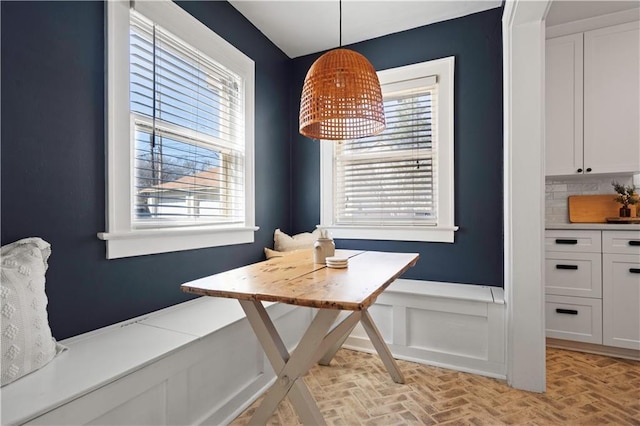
x: 318, y: 343
x: 378, y: 342
x: 381, y: 347
x: 328, y: 356
x: 266, y: 333
x: 290, y: 368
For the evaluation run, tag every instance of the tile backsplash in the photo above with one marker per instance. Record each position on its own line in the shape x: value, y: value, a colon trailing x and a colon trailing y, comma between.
x: 558, y: 189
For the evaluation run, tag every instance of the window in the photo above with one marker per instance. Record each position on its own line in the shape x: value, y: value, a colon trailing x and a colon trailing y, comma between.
x: 397, y: 185
x: 180, y: 103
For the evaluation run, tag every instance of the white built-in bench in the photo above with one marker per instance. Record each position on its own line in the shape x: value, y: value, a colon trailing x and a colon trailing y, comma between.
x: 456, y: 326
x: 199, y: 362
x: 193, y: 363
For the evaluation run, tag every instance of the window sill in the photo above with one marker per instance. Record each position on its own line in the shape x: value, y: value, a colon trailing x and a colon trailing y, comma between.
x: 142, y: 242
x: 439, y: 234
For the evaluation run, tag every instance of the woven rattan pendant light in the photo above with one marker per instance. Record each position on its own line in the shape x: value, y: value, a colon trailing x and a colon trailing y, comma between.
x: 341, y: 97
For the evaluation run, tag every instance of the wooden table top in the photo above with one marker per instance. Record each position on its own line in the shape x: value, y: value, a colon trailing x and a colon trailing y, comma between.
x: 296, y: 280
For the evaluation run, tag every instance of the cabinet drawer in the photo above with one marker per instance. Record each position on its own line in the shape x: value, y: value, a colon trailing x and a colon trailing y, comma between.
x: 574, y: 318
x: 573, y: 274
x: 573, y: 241
x: 623, y: 242
x: 621, y: 300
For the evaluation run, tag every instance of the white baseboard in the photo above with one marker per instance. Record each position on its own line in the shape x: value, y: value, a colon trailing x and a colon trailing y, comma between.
x: 594, y: 348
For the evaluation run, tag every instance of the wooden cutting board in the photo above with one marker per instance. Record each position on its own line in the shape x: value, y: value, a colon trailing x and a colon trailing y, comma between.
x: 594, y: 208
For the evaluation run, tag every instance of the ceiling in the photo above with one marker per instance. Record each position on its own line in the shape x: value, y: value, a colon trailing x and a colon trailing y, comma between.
x: 301, y: 27
x: 565, y: 11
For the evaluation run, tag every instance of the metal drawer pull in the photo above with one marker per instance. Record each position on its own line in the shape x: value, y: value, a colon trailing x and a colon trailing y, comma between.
x: 634, y: 243
x: 573, y: 242
x: 634, y: 270
x: 572, y: 267
x: 567, y: 311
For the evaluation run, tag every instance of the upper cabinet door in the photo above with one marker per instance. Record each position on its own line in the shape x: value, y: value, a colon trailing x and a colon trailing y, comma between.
x: 563, y: 82
x: 612, y: 99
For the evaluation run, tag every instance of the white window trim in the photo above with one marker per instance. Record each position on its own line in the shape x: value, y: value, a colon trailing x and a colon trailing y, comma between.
x: 444, y: 231
x: 121, y: 238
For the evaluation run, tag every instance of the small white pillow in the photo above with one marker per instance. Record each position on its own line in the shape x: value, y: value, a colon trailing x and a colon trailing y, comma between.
x: 284, y: 242
x: 26, y: 340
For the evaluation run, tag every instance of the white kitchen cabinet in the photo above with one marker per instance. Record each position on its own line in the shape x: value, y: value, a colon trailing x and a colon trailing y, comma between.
x: 563, y: 111
x: 621, y: 300
x: 573, y: 263
x: 572, y: 241
x: 574, y: 318
x: 573, y: 285
x: 621, y: 242
x: 573, y: 274
x: 612, y: 99
x: 621, y: 289
x: 592, y: 286
x: 592, y: 122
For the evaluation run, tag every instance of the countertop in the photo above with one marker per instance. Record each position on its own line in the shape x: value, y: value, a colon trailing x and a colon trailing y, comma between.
x: 596, y: 226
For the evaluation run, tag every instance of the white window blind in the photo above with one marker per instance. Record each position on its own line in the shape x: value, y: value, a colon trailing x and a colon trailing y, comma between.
x: 187, y: 124
x: 390, y: 179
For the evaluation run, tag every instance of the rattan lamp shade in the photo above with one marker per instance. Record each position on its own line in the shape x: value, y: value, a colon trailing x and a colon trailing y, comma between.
x: 341, y: 98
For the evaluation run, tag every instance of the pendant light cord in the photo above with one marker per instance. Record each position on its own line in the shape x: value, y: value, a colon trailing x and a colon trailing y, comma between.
x: 340, y: 41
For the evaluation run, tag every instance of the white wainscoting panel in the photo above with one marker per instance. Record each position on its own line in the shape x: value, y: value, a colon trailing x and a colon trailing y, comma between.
x: 222, y: 371
x: 456, y: 326
x: 154, y: 399
x: 470, y: 331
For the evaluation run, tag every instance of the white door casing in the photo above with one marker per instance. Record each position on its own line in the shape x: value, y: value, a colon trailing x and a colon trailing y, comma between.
x: 523, y: 71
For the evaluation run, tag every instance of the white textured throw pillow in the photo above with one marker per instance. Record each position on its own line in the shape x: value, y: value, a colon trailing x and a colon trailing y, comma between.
x: 284, y: 242
x: 27, y: 344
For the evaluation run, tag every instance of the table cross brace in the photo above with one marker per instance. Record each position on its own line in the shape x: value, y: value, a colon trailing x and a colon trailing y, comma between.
x: 290, y: 368
x: 318, y: 344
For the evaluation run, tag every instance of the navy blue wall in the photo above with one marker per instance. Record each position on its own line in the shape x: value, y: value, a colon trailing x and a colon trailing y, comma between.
x: 476, y: 43
x: 53, y: 162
